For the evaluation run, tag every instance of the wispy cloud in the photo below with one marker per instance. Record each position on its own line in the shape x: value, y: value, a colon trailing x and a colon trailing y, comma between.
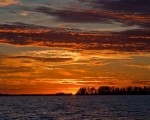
x: 14, y: 69
x: 139, y: 66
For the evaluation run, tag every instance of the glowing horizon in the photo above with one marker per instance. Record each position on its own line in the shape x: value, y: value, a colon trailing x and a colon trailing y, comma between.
x: 57, y: 46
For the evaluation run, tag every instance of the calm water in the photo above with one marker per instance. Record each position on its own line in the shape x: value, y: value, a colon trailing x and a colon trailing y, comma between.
x: 75, y: 108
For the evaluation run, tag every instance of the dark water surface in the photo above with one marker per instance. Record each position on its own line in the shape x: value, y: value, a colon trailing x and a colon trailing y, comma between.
x: 75, y: 107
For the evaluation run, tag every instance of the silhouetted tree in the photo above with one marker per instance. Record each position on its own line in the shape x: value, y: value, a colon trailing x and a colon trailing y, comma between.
x: 87, y: 91
x: 82, y: 91
x: 106, y: 90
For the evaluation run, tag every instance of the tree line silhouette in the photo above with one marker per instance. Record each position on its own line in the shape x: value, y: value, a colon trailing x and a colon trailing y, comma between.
x: 106, y: 90
x: 102, y: 90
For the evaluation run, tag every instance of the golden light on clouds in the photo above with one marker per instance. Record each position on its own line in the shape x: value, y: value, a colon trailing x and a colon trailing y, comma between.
x: 51, y: 48
x: 55, y: 70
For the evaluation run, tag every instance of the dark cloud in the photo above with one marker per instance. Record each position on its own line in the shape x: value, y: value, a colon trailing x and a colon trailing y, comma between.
x: 128, y: 12
x: 136, y: 32
x: 133, y: 12
x: 20, y: 25
x: 127, y: 6
x: 43, y: 59
x: 72, y: 16
x: 135, y: 40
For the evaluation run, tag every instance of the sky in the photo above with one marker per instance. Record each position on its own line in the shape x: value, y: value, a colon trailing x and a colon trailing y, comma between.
x: 52, y: 46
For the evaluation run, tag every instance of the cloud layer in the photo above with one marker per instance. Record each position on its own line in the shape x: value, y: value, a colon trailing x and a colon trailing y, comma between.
x: 100, y: 11
x: 126, y: 41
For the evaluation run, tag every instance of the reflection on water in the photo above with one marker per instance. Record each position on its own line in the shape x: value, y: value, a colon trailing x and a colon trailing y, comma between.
x: 75, y: 107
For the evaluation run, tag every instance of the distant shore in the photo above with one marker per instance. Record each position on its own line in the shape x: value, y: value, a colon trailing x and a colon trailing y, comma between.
x: 65, y: 95
x: 57, y: 94
x: 102, y: 90
x: 68, y: 94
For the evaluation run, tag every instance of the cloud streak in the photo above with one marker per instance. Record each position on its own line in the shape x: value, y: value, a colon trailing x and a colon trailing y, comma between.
x: 126, y: 41
x: 42, y: 59
x: 106, y: 13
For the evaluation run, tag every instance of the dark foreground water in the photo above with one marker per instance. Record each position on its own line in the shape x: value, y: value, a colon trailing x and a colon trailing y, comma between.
x: 75, y: 108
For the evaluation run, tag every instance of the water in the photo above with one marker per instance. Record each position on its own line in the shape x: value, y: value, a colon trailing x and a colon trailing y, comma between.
x: 75, y: 108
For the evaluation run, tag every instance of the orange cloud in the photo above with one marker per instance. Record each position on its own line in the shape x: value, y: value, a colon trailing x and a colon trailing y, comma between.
x: 8, y: 2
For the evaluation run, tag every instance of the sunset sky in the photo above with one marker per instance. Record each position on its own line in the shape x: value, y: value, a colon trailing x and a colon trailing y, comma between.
x: 51, y: 46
